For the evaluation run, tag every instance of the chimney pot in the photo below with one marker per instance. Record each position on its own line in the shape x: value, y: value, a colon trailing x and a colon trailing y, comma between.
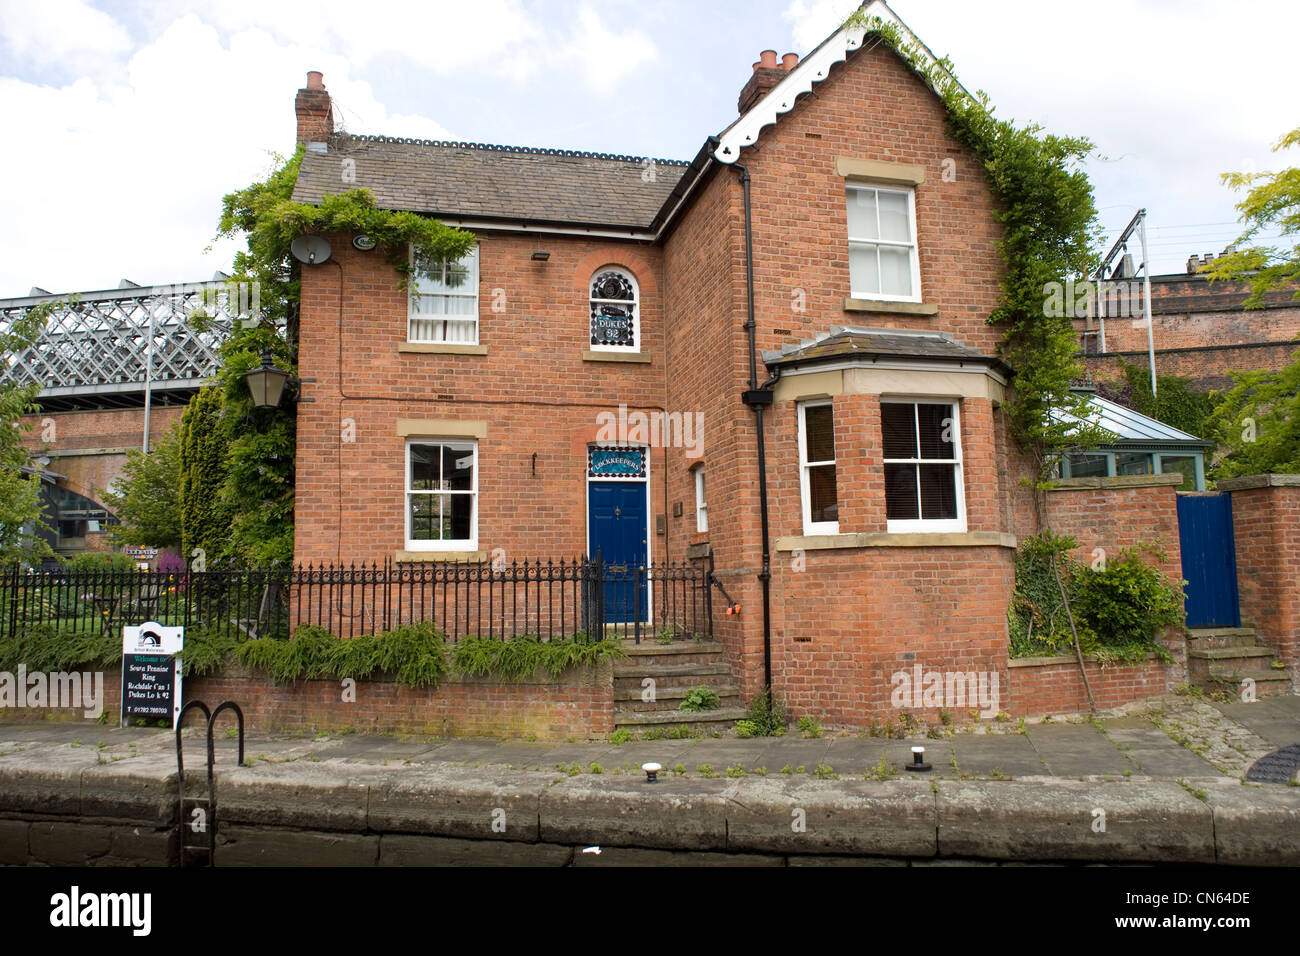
x: 757, y: 65
x: 790, y: 61
x: 768, y: 59
x: 314, y: 110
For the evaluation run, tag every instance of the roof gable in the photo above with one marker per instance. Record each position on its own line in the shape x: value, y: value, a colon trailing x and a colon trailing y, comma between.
x: 811, y: 70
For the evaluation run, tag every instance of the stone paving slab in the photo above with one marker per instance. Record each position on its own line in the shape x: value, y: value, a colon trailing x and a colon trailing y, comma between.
x: 1071, y: 750
x: 1012, y: 755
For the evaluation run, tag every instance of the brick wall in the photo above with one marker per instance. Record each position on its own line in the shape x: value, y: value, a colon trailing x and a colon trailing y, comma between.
x: 1201, y: 332
x: 1054, y: 686
x: 580, y: 704
x: 1266, y: 527
x: 1106, y: 515
x: 89, y: 447
x: 532, y: 388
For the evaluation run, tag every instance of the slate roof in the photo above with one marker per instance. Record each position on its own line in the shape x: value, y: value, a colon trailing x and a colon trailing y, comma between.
x: 494, y: 182
x: 843, y: 342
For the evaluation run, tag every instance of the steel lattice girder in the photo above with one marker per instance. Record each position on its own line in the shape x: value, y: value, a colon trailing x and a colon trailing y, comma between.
x: 99, y: 342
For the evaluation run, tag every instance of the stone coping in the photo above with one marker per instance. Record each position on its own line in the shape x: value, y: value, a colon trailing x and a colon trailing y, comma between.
x: 441, y: 348
x: 1250, y: 482
x: 1118, y: 481
x: 913, y: 816
x: 958, y: 539
x: 447, y: 557
x: 885, y: 307
x: 1071, y: 659
x: 638, y: 358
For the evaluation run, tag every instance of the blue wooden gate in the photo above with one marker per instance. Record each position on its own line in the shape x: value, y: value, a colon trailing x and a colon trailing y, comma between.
x: 1209, y: 560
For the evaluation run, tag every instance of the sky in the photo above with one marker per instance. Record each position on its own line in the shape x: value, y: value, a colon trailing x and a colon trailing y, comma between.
x: 126, y: 122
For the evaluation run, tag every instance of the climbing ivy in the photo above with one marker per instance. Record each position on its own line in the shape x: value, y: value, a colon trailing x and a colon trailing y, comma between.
x: 257, y: 490
x: 1175, y: 402
x: 204, y: 523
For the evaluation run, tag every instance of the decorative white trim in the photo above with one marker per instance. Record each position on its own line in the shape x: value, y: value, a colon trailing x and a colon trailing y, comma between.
x: 811, y: 70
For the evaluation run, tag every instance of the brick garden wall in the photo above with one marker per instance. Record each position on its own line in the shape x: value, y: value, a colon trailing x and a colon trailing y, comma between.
x: 1054, y: 685
x: 1108, y: 514
x: 1266, y: 526
x: 579, y: 704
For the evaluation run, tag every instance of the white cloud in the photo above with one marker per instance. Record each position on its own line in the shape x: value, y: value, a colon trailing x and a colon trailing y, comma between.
x: 814, y: 20
x: 52, y: 32
x: 607, y: 57
x: 125, y: 178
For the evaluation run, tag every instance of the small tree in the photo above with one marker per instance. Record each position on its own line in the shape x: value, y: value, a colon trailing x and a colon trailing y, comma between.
x: 204, y: 523
x: 1259, y: 418
x: 147, y: 495
x: 22, y: 514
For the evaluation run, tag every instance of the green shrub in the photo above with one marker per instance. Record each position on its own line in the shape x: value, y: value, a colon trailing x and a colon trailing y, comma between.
x: 698, y: 699
x: 809, y: 727
x: 521, y: 656
x: 43, y: 647
x: 205, y: 651
x: 766, y: 716
x: 102, y: 561
x: 1119, y: 610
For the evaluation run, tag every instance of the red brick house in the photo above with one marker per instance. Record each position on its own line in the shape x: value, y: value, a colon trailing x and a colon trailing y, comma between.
x: 808, y: 293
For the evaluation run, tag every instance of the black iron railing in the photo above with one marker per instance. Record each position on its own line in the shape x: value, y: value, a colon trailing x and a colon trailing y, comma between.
x: 546, y: 598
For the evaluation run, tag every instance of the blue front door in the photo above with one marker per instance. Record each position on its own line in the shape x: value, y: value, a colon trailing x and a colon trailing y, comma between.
x: 1209, y: 560
x: 616, y: 525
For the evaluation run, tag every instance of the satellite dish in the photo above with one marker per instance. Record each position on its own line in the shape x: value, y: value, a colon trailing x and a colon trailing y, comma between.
x: 312, y: 250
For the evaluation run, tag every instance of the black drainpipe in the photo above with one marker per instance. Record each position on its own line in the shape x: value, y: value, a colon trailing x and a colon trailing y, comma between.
x: 758, y: 398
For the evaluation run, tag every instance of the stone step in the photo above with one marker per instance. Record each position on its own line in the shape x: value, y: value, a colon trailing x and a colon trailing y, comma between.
x: 1259, y: 674
x: 639, y: 669
x: 674, y: 654
x: 706, y: 720
x: 1228, y: 653
x: 1222, y: 637
x: 669, y: 698
x: 714, y: 682
x: 679, y: 692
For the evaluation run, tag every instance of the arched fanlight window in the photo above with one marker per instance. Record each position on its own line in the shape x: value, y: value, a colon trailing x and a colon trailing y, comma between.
x: 615, y: 320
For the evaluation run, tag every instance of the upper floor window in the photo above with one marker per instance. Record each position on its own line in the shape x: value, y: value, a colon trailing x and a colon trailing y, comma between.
x: 615, y: 316
x: 441, y: 495
x: 817, y: 468
x: 444, y: 300
x: 883, y: 262
x: 922, y: 457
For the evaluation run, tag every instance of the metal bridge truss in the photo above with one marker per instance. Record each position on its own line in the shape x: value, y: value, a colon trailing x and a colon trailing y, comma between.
x: 111, y: 348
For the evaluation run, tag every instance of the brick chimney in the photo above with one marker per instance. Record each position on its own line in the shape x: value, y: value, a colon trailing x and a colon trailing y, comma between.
x: 767, y: 73
x: 315, y: 115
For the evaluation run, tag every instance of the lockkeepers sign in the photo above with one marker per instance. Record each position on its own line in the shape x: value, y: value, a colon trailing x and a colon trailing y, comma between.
x: 151, y: 675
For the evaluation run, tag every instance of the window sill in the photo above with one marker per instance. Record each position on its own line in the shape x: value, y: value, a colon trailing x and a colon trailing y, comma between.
x: 951, y: 539
x: 451, y: 557
x: 639, y: 358
x: 885, y: 306
x: 441, y: 348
